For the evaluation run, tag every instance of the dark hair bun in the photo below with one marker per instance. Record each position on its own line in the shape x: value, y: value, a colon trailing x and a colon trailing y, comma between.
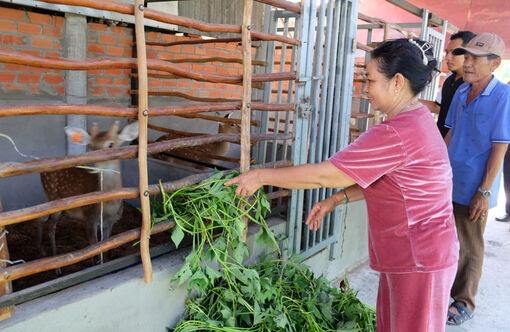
x: 413, y: 58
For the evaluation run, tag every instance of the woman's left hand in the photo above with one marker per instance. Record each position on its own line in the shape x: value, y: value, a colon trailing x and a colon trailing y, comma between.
x: 248, y: 183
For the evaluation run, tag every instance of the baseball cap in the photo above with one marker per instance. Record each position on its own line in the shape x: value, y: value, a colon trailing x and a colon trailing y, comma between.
x: 483, y: 44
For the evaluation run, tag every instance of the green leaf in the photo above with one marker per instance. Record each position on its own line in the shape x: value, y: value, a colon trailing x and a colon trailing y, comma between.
x: 183, y: 274
x: 177, y: 236
x: 199, y: 280
x: 281, y: 320
x: 212, y: 274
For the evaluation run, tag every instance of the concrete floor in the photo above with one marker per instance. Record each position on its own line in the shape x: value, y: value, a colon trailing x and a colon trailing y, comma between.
x: 493, y: 299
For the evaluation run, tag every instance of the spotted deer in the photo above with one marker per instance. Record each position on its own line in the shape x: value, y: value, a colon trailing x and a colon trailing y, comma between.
x: 77, y: 181
x: 207, y: 153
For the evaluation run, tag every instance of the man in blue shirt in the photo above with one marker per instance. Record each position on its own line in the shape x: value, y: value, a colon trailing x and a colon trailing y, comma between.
x: 479, y: 122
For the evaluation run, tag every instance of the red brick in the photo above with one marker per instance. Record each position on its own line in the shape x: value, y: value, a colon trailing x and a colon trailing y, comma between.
x: 14, y: 87
x: 125, y: 41
x: 119, y: 30
x: 14, y: 40
x: 60, y: 89
x: 29, y: 78
x: 168, y: 37
x: 11, y: 66
x: 153, y: 36
x: 211, y: 52
x: 114, y: 92
x: 210, y: 69
x: 183, y: 84
x: 31, y: 52
x: 52, y: 54
x: 58, y: 21
x: 39, y: 18
x: 170, y: 84
x: 209, y: 86
x: 104, y: 81
x: 115, y: 51
x: 155, y: 83
x: 107, y: 39
x: 113, y: 72
x: 96, y: 91
x: 53, y: 79
x: 165, y: 56
x: 58, y: 46
x: 222, y: 70
x: 29, y: 28
x: 6, y: 77
x: 7, y: 25
x: 97, y: 27
x: 12, y: 14
x: 42, y: 42
x: 122, y: 81
x: 10, y: 49
x: 34, y: 89
x: 197, y: 67
x: 128, y: 52
x: 52, y: 32
x: 95, y: 72
x: 215, y: 94
x: 196, y: 85
x: 152, y: 55
x: 188, y: 49
x: 95, y: 48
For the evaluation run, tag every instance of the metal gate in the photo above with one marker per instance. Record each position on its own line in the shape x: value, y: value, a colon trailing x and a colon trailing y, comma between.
x: 323, y: 95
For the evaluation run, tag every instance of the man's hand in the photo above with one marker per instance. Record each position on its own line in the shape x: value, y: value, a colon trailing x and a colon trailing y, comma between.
x: 478, y: 207
x: 319, y: 211
x: 248, y: 183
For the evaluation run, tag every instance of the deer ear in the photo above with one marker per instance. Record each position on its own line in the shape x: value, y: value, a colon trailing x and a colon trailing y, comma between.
x: 130, y: 132
x: 77, y: 135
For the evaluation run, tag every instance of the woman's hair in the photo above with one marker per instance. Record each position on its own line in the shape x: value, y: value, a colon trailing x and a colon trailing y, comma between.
x: 413, y: 58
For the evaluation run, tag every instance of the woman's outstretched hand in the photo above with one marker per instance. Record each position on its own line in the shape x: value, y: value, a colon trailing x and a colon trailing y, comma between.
x: 247, y: 182
x: 319, y: 211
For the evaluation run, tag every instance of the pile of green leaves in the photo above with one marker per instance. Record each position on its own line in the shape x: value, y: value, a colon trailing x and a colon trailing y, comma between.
x: 273, y: 295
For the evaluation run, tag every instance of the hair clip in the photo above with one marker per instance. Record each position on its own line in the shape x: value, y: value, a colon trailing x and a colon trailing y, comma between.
x: 423, y: 48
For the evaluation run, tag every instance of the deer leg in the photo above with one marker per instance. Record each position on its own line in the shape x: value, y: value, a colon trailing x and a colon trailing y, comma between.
x: 52, y: 221
x: 40, y: 230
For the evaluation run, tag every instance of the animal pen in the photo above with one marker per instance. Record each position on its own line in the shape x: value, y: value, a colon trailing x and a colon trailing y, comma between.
x: 307, y: 49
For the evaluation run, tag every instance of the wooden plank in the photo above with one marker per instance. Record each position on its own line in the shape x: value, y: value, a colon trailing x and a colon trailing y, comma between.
x: 6, y: 287
x: 143, y: 115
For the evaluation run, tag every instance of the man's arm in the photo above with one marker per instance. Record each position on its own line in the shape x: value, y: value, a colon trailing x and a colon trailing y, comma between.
x: 480, y: 205
x: 432, y: 105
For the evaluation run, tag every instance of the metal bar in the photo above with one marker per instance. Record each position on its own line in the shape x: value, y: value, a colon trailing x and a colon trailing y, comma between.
x: 315, y: 96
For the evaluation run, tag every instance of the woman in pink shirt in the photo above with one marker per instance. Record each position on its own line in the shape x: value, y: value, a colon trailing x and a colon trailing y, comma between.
x: 401, y: 168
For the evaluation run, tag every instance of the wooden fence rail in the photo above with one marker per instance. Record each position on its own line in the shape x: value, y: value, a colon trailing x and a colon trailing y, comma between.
x: 128, y: 9
x: 108, y: 63
x: 9, y: 169
x: 120, y: 111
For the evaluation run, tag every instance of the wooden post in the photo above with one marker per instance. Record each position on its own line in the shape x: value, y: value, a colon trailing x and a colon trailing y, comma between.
x: 5, y: 287
x: 143, y: 114
x: 246, y: 103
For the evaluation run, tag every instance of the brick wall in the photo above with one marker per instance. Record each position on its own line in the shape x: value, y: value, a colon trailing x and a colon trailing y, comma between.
x: 42, y: 34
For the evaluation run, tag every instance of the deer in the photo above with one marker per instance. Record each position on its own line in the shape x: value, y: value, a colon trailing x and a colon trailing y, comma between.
x: 77, y: 181
x: 206, y: 153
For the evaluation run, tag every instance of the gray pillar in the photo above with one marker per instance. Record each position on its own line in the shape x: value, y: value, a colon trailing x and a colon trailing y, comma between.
x: 75, y: 48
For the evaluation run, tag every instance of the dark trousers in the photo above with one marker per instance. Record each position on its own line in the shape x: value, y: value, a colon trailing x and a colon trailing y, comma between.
x: 471, y: 255
x: 506, y: 180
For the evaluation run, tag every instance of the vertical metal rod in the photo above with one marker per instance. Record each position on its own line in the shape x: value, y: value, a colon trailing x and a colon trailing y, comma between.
x: 330, y: 102
x: 317, y: 70
x: 143, y: 106
x: 246, y: 103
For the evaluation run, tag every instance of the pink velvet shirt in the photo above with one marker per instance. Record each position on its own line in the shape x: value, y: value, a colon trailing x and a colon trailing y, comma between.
x: 403, y: 169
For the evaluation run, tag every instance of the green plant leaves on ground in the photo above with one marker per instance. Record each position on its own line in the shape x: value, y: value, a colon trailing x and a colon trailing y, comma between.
x: 273, y: 295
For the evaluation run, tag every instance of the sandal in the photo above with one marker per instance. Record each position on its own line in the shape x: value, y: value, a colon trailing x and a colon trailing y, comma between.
x: 464, y: 314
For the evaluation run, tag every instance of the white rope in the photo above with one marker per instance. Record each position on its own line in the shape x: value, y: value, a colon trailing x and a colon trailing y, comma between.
x: 7, y: 261
x: 16, y: 148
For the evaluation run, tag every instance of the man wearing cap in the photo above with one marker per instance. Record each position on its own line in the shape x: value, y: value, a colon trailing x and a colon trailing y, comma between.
x: 453, y: 80
x: 478, y: 118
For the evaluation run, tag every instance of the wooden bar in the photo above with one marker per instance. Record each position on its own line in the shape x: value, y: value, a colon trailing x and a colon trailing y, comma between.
x: 108, y: 63
x: 8, y: 169
x: 282, y: 4
x: 186, y: 96
x: 198, y: 41
x: 215, y: 59
x: 40, y: 210
x: 6, y: 287
x: 143, y: 114
x: 132, y: 112
x: 171, y: 19
x: 50, y: 263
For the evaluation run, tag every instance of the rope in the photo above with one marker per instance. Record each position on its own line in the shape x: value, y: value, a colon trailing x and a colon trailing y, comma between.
x: 16, y: 148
